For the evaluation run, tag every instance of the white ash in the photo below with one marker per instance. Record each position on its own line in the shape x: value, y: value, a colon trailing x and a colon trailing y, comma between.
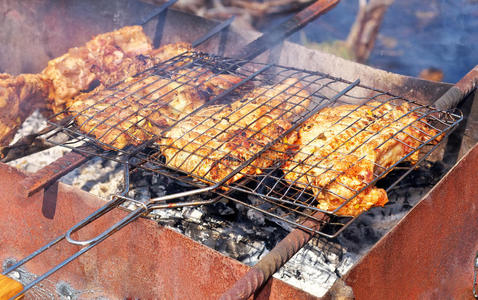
x: 36, y: 161
x: 34, y: 123
x: 32, y: 163
x: 98, y: 176
x: 314, y: 270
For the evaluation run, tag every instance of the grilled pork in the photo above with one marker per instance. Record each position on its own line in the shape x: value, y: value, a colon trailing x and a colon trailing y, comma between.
x: 343, y: 149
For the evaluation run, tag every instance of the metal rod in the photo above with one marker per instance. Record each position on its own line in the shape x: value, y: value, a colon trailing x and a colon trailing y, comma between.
x: 278, y: 33
x: 275, y: 259
x: 156, y: 12
x: 218, y: 28
x: 49, y: 174
x: 106, y: 209
x: 459, y: 91
x: 125, y: 221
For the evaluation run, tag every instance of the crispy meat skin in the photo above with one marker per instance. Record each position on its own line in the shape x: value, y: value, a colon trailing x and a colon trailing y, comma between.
x: 343, y: 148
x: 134, y: 111
x: 106, y: 59
x: 105, y: 53
x: 19, y: 96
x: 141, y: 107
x: 214, y: 142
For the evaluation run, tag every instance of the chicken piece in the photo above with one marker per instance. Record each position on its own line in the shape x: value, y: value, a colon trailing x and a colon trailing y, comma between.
x: 98, y: 59
x: 169, y: 51
x: 130, y: 65
x: 263, y: 105
x: 111, y: 116
x: 165, y: 102
x: 19, y: 97
x: 133, y: 112
x: 171, y: 100
x: 208, y: 82
x: 343, y: 149
x: 214, y: 142
x: 105, y: 60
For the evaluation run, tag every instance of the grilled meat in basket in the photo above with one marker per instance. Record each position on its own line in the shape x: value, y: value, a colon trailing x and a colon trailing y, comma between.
x: 343, y: 149
x: 218, y: 139
x: 138, y: 109
x: 104, y: 60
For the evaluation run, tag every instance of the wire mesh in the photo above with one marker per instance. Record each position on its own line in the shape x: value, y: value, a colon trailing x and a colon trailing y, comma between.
x: 287, y: 142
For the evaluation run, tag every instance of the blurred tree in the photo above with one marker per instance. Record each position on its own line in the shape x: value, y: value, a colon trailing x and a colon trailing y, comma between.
x: 364, y: 31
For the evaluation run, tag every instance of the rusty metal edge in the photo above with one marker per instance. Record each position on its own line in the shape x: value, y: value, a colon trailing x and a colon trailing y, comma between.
x: 429, y: 254
x: 143, y: 260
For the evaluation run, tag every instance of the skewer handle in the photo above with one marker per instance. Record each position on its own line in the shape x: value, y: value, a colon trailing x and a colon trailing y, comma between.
x: 9, y: 288
x: 459, y: 91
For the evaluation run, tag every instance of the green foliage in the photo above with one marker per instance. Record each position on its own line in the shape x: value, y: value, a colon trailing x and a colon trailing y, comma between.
x: 336, y: 47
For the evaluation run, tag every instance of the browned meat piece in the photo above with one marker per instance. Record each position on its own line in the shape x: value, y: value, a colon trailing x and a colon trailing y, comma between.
x: 208, y: 82
x: 77, y: 69
x: 343, y: 149
x: 19, y: 97
x: 134, y: 111
x: 168, y: 51
x: 106, y: 59
x: 214, y: 142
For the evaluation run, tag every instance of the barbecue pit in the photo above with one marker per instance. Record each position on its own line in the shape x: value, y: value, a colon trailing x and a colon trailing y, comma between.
x: 377, y: 74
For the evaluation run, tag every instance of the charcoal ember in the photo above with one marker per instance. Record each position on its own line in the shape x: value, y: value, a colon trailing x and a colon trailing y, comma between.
x: 168, y: 216
x: 196, y: 231
x: 142, y: 194
x: 173, y: 223
x: 256, y: 217
x: 222, y: 209
x: 157, y: 188
x: 140, y: 178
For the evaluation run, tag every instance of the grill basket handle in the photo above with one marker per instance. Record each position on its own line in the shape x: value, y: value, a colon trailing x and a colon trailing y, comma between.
x: 9, y: 287
x: 459, y: 91
x: 276, y: 34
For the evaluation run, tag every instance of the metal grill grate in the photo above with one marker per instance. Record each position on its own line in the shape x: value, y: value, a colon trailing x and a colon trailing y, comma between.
x: 253, y: 133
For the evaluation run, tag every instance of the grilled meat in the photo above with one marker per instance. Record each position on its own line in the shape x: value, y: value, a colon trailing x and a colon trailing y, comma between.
x: 207, y: 82
x: 139, y: 108
x: 170, y: 50
x: 343, y: 149
x: 106, y: 59
x: 102, y: 62
x: 74, y: 71
x: 214, y: 142
x: 19, y: 96
x: 134, y: 111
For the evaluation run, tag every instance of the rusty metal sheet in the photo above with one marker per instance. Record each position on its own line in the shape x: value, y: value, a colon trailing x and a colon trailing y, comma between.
x: 143, y: 260
x: 430, y: 253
